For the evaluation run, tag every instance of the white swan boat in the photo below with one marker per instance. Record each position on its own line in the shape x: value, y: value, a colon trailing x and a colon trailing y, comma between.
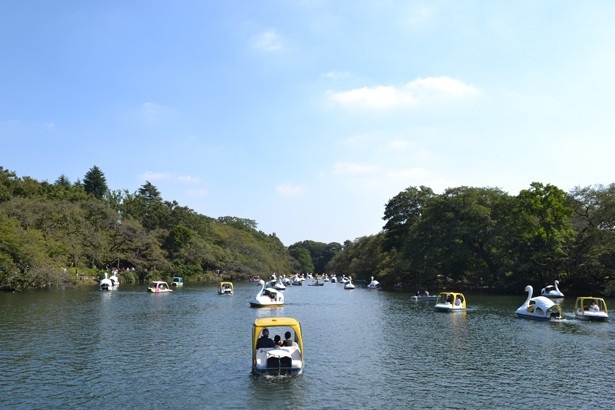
x: 159, y: 286
x: 115, y: 280
x: 538, y: 308
x: 272, y: 360
x: 225, y: 288
x: 348, y: 285
x: 425, y: 297
x: 374, y: 284
x: 267, y: 297
x: 552, y: 291
x: 450, y: 302
x: 105, y: 284
x: 590, y: 308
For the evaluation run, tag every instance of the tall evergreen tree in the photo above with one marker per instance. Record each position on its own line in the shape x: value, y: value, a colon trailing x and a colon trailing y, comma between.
x: 95, y: 183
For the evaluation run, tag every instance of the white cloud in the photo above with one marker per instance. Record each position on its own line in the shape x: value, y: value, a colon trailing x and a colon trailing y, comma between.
x: 198, y: 192
x: 151, y: 112
x: 336, y: 74
x: 155, y: 176
x: 415, y: 93
x: 289, y: 190
x: 408, y: 173
x: 397, y: 144
x: 268, y: 40
x: 378, y: 97
x: 443, y: 86
x: 341, y: 167
x: 188, y: 178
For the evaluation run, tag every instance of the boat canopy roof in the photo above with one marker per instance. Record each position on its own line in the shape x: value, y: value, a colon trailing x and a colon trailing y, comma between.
x: 222, y: 284
x: 584, y: 301
x: 271, y: 322
x: 546, y: 304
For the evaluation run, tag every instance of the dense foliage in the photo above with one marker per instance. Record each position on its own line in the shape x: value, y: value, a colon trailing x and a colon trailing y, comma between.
x: 466, y: 237
x: 52, y: 234
x: 482, y: 237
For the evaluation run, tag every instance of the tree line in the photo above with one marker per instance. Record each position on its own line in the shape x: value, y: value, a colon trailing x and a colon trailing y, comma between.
x: 472, y: 238
x: 466, y: 237
x: 52, y: 234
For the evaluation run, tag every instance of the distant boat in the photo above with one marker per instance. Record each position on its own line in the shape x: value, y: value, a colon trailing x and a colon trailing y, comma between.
x: 267, y: 297
x: 538, y: 308
x: 450, y: 302
x: 552, y: 291
x: 105, y: 284
x: 115, y: 281
x: 349, y: 285
x: 225, y: 288
x: 590, y: 308
x: 159, y: 286
x: 177, y: 281
x: 374, y: 284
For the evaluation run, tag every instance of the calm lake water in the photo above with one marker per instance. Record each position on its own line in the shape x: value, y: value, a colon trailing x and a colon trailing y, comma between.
x: 190, y: 349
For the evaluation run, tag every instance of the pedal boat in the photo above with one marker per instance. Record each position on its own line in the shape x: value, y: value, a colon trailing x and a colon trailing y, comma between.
x: 280, y: 360
x: 552, y: 291
x: 586, y: 309
x: 225, y: 288
x: 159, y: 286
x: 177, y: 281
x: 450, y: 302
x: 267, y: 297
x: 538, y: 308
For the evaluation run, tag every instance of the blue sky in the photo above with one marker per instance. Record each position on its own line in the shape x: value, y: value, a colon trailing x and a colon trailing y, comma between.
x: 308, y: 116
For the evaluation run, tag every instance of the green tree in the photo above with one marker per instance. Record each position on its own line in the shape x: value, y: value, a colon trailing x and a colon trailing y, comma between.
x: 542, y: 234
x: 95, y: 183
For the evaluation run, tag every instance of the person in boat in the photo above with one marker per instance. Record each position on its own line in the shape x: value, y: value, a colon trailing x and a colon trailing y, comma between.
x: 426, y: 293
x: 594, y: 307
x: 458, y: 302
x: 287, y: 339
x: 264, y: 341
x: 277, y: 341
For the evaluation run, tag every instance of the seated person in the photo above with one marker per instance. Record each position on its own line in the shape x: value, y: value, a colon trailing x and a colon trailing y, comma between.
x: 277, y: 341
x: 458, y: 302
x: 264, y: 341
x: 287, y: 340
x: 594, y: 307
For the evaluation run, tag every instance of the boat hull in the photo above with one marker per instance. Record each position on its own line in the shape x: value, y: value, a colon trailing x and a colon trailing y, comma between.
x: 589, y: 317
x: 532, y: 317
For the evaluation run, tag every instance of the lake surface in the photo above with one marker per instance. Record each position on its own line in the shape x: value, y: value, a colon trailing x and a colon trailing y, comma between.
x: 190, y: 349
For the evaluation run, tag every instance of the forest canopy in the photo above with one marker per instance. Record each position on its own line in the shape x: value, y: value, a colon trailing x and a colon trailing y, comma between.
x: 466, y: 237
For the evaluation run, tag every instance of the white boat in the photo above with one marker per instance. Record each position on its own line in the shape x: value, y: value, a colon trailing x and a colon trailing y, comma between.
x: 590, y: 308
x: 225, y: 288
x: 267, y: 297
x: 115, y: 281
x: 271, y: 360
x: 105, y: 284
x: 552, y: 291
x: 426, y: 297
x: 348, y: 283
x: 374, y: 284
x: 538, y: 308
x: 297, y: 280
x: 177, y: 281
x: 159, y: 286
x: 279, y: 285
x: 450, y: 302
